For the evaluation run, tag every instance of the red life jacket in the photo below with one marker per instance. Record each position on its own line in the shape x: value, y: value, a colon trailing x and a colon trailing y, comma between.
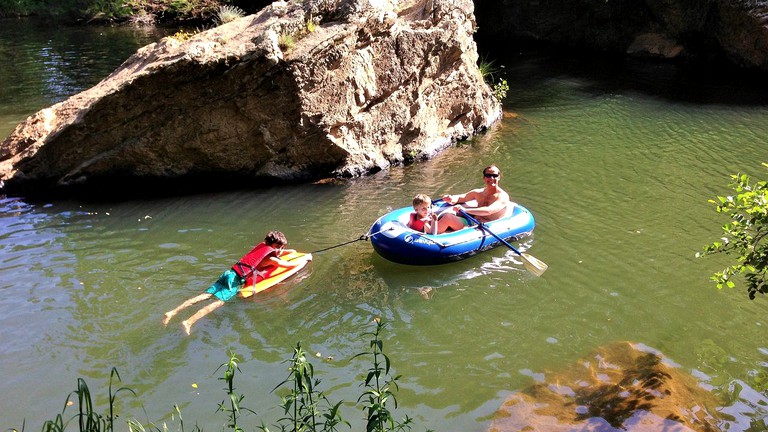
x: 415, y: 223
x: 248, y: 264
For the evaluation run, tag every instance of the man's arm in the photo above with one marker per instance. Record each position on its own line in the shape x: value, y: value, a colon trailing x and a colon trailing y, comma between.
x: 458, y: 199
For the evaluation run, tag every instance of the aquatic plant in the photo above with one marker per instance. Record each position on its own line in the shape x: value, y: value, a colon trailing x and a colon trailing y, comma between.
x: 112, y: 10
x: 304, y: 405
x: 379, y: 384
x: 306, y: 408
x: 179, y: 7
x: 487, y: 69
x: 233, y: 408
x: 87, y: 417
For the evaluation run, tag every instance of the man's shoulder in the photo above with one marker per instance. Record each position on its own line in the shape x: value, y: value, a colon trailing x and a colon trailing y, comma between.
x: 502, y: 196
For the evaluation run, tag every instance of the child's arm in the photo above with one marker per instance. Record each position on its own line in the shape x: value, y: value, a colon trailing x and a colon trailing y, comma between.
x: 430, y: 223
x: 433, y: 223
x: 289, y: 264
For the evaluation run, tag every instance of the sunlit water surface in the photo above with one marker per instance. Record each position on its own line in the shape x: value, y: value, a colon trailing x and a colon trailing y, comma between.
x: 616, y: 161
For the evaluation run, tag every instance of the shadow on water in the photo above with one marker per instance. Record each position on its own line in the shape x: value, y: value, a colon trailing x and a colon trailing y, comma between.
x: 599, y: 74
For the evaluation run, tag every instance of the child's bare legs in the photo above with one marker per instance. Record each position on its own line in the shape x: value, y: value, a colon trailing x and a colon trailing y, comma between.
x: 199, y: 314
x: 188, y: 303
x: 450, y: 221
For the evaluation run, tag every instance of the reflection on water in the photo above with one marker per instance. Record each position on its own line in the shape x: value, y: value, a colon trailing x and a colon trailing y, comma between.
x: 617, y: 168
x: 44, y: 63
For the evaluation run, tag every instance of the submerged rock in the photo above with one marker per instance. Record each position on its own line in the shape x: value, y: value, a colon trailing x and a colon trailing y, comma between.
x: 297, y: 92
x: 621, y: 387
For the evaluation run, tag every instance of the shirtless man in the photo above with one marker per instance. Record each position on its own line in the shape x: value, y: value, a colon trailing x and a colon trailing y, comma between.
x: 492, y: 202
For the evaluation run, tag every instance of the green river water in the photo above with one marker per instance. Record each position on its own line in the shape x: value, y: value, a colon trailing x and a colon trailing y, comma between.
x: 616, y: 159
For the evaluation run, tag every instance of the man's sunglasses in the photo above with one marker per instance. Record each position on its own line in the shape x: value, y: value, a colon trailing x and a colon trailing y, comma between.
x: 490, y: 175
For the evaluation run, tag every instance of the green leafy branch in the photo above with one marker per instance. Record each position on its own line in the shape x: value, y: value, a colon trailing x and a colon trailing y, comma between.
x: 745, y: 234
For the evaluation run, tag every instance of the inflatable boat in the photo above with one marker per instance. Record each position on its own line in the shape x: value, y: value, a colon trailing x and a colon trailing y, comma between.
x: 392, y: 239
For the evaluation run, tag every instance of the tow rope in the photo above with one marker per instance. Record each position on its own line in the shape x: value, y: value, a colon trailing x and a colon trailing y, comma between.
x: 365, y: 236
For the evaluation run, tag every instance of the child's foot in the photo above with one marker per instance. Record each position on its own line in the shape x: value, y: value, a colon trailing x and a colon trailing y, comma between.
x: 168, y: 316
x: 187, y: 327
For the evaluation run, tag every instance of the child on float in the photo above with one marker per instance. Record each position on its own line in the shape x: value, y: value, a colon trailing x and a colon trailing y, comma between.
x: 242, y: 273
x: 423, y: 219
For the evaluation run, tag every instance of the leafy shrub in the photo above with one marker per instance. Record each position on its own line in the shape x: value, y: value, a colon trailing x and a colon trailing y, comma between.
x: 108, y: 10
x: 491, y: 76
x: 746, y: 235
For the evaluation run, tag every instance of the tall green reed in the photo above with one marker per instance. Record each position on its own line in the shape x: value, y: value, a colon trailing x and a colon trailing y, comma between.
x: 88, y: 419
x: 379, y: 384
x: 305, y: 407
x: 233, y: 408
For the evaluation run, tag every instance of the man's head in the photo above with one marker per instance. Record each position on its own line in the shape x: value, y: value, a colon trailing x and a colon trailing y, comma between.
x: 491, y: 173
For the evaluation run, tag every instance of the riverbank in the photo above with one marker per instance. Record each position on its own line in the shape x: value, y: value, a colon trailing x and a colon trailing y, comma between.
x: 118, y: 11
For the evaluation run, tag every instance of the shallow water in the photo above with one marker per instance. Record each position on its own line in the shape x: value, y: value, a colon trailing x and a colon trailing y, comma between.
x: 615, y: 160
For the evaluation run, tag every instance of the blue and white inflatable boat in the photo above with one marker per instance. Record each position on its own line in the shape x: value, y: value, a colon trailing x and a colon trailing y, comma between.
x: 392, y: 239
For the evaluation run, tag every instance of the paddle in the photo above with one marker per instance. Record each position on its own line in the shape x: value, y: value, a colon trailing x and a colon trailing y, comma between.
x: 440, y: 201
x: 531, y: 263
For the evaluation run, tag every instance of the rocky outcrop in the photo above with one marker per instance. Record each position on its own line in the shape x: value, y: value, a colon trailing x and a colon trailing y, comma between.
x: 619, y: 387
x: 724, y: 31
x: 297, y: 92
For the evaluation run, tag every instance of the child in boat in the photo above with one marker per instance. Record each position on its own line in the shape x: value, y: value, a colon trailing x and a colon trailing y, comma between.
x: 423, y: 219
x: 263, y: 255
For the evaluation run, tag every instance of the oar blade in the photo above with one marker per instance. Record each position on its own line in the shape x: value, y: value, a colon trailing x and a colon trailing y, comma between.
x: 534, y: 265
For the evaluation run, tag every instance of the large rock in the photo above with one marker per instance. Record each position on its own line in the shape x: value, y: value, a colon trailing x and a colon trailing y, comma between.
x: 267, y: 97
